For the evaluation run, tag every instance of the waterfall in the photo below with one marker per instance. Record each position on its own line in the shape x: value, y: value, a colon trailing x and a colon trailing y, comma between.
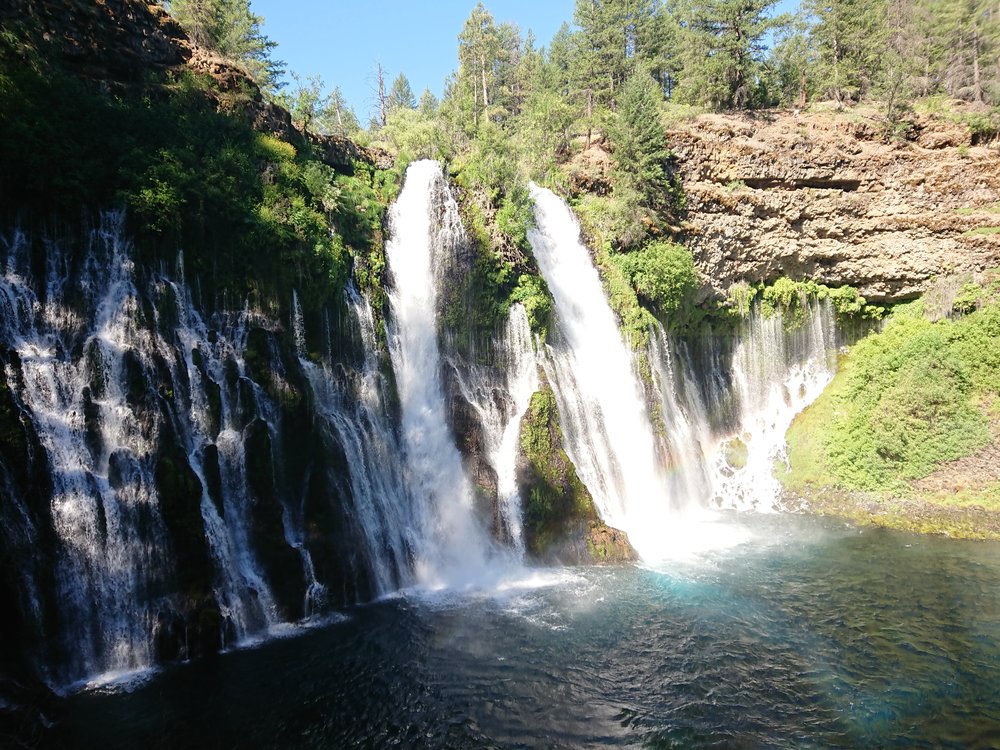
x: 500, y: 392
x: 451, y: 541
x: 724, y: 418
x: 777, y: 368
x: 103, y: 488
x: 176, y: 511
x: 606, y: 425
x: 200, y: 481
x: 359, y: 417
x: 245, y: 601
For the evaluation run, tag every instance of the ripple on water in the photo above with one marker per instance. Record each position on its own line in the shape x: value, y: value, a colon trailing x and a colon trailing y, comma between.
x: 808, y: 635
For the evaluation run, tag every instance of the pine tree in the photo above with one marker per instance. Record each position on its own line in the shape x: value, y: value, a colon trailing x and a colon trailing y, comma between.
x: 400, y: 95
x: 336, y: 117
x: 639, y: 145
x: 230, y: 28
x: 305, y: 101
x: 792, y: 61
x: 850, y: 38
x: 723, y: 51
x: 477, y: 50
x: 428, y: 104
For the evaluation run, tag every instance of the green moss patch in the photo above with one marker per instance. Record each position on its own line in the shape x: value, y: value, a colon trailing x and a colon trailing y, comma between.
x: 555, y: 500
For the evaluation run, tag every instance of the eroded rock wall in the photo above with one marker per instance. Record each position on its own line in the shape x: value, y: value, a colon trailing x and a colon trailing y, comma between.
x: 824, y: 196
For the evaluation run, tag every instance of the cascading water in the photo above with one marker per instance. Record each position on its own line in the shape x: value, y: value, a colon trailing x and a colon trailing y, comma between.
x: 499, y: 392
x: 103, y: 486
x: 602, y: 407
x: 777, y: 374
x: 724, y: 421
x: 451, y: 542
x: 359, y: 417
x: 244, y: 598
x: 188, y: 512
x: 181, y: 515
x: 777, y: 368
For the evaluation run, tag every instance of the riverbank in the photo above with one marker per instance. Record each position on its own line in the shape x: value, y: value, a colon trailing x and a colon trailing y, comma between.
x: 962, y: 515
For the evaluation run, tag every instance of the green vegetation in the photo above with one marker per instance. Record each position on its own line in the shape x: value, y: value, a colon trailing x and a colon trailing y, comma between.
x: 790, y: 297
x: 662, y: 274
x: 991, y: 209
x: 230, y: 28
x: 736, y: 453
x: 906, y: 434
x: 906, y: 400
x: 981, y: 232
x: 256, y: 215
x: 556, y: 499
x: 533, y: 293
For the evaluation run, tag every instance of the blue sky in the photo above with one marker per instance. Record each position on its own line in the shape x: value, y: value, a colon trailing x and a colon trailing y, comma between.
x: 342, y: 41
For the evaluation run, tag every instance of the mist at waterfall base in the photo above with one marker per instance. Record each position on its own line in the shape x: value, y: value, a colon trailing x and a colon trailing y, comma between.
x: 812, y: 634
x: 738, y: 628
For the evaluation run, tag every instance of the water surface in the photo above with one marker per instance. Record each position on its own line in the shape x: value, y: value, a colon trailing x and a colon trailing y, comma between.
x: 811, y: 633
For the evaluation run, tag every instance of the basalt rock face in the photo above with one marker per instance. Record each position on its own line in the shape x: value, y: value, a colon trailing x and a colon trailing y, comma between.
x: 825, y: 196
x: 111, y: 41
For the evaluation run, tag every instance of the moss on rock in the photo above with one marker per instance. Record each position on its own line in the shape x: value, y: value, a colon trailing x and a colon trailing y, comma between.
x: 561, y: 523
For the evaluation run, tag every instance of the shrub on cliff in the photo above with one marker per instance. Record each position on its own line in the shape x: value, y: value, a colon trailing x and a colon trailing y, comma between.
x: 256, y: 215
x: 662, y: 274
x: 906, y: 400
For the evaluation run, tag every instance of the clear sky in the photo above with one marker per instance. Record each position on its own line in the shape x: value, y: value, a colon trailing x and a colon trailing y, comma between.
x: 342, y: 40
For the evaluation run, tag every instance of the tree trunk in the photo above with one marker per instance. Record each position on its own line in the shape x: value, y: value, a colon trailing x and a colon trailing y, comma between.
x: 486, y: 96
x: 381, y: 95
x: 977, y: 83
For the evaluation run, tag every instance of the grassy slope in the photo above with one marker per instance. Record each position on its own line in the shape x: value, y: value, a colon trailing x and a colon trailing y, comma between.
x: 908, y: 433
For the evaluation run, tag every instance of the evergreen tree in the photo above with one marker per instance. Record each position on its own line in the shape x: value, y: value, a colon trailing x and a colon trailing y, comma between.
x: 723, y: 51
x: 850, y: 38
x: 478, y: 45
x: 639, y: 145
x: 560, y: 62
x: 792, y: 62
x: 306, y: 100
x: 230, y: 28
x: 336, y: 117
x: 428, y: 104
x: 400, y: 95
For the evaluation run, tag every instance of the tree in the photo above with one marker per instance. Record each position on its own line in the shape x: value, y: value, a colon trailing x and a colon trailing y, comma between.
x: 850, y: 37
x: 381, y: 98
x: 478, y: 45
x: 428, y: 105
x: 317, y: 111
x: 337, y: 118
x: 639, y: 145
x: 400, y: 95
x: 792, y: 62
x: 723, y: 51
x: 306, y: 100
x: 231, y: 29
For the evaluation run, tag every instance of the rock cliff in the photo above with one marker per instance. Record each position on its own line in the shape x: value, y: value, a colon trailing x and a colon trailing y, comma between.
x: 823, y: 195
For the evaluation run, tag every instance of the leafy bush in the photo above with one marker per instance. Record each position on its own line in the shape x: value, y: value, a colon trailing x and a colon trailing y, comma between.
x: 255, y: 215
x: 906, y: 400
x: 790, y: 298
x: 411, y: 135
x: 662, y: 274
x: 516, y: 215
x: 532, y: 292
